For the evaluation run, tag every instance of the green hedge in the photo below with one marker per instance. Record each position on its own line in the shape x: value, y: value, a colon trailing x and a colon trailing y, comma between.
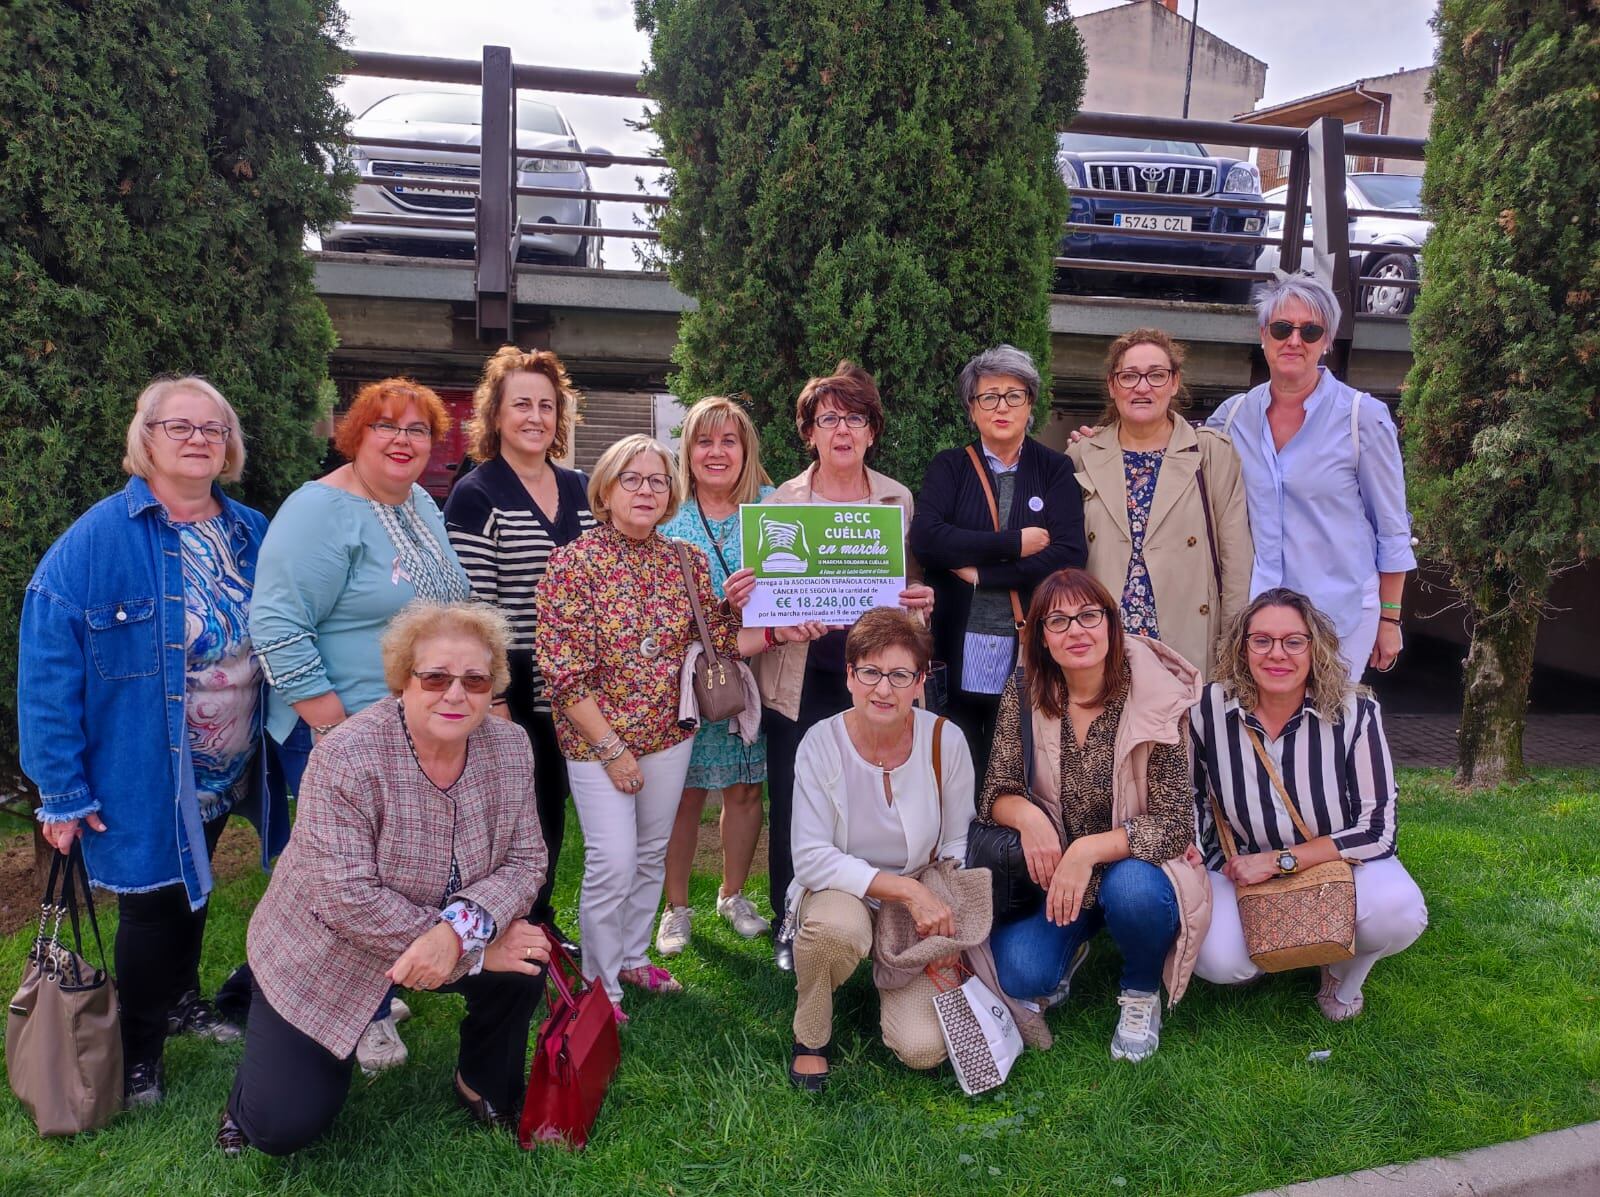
x: 872, y: 179
x: 159, y: 162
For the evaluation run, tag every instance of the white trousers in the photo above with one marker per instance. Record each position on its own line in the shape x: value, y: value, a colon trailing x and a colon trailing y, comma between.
x: 624, y: 858
x: 1390, y: 914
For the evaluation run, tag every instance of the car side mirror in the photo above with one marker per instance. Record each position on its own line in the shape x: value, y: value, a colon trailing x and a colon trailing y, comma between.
x: 596, y: 149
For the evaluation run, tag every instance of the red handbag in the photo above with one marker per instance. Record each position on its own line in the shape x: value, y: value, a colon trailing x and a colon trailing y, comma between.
x: 574, y: 1058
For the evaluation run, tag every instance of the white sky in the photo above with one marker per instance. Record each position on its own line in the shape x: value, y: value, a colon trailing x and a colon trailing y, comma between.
x: 1308, y: 45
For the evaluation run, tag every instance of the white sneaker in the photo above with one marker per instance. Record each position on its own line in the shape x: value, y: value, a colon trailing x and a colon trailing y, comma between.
x: 1059, y: 994
x: 742, y: 913
x: 398, y: 1011
x: 380, y: 1047
x: 673, y: 934
x: 1139, y: 1028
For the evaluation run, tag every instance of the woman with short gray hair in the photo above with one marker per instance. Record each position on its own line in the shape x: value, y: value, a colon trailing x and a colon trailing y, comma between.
x: 994, y: 518
x: 1323, y: 479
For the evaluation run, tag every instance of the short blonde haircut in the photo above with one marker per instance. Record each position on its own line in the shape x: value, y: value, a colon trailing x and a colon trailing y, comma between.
x: 421, y: 620
x: 709, y: 415
x: 616, y: 459
x: 136, y: 458
x: 483, y: 430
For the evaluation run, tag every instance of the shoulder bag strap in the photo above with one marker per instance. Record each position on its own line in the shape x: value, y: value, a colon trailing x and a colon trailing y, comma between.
x: 1277, y: 784
x: 1355, y: 428
x: 1233, y: 412
x: 994, y: 514
x: 715, y: 547
x: 1025, y: 721
x: 687, y: 569
x: 1211, y: 531
x: 938, y: 781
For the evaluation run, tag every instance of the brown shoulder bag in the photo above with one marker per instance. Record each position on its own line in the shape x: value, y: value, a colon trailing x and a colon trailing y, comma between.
x: 718, y: 688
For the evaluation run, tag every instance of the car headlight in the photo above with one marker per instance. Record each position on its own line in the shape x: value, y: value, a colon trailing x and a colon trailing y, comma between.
x: 548, y: 166
x: 1243, y: 178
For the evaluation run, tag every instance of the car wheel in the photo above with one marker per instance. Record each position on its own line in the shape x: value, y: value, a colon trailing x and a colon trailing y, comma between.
x: 1381, y: 300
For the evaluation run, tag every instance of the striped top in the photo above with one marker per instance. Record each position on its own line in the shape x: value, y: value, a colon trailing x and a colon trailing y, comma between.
x: 1339, y: 775
x: 504, y: 541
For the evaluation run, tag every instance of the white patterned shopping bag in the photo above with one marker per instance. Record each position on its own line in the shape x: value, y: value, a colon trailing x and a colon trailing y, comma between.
x: 979, y: 1032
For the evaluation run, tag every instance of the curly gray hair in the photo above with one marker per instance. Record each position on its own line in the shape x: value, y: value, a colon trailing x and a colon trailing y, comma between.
x: 1269, y: 298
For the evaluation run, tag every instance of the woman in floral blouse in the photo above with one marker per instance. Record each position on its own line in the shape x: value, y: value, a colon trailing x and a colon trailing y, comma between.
x: 613, y: 625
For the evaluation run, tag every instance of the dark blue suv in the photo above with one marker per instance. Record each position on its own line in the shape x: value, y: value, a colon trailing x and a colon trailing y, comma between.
x: 1150, y: 168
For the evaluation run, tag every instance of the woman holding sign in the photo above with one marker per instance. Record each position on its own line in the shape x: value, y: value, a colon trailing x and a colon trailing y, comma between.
x: 840, y: 419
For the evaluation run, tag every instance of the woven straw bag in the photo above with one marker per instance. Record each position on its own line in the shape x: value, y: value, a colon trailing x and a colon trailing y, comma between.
x: 1300, y: 919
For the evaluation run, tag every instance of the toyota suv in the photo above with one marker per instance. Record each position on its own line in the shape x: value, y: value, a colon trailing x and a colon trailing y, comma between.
x: 1145, y: 169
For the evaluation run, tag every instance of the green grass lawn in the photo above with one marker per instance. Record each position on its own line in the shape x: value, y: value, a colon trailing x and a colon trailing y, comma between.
x: 1488, y: 1029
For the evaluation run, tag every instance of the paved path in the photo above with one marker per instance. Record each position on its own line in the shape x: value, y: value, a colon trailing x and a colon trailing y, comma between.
x: 1550, y: 740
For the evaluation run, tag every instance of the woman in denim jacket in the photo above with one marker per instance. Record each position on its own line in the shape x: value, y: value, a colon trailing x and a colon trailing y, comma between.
x: 140, y: 704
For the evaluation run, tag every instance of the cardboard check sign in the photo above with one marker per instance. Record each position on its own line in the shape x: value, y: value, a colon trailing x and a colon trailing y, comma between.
x: 828, y: 562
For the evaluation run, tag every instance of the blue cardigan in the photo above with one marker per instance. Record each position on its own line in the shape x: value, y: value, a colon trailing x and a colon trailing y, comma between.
x: 100, y: 696
x: 952, y: 528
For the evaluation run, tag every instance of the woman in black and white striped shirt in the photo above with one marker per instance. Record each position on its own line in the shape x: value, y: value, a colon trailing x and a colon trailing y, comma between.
x: 504, y: 519
x: 1282, y: 684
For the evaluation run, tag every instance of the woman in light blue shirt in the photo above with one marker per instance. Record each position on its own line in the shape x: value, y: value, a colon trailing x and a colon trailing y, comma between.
x: 1323, y: 479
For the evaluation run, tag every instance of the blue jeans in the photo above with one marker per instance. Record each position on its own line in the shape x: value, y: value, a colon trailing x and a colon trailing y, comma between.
x: 1135, y: 903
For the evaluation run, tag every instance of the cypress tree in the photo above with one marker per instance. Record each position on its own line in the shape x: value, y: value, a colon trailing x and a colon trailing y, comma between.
x: 159, y: 164
x: 1502, y: 406
x: 871, y: 179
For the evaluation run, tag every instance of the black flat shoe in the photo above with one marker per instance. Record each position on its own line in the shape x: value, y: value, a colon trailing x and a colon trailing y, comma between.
x: 811, y: 1082
x: 230, y: 1139
x: 144, y: 1084
x: 484, y: 1110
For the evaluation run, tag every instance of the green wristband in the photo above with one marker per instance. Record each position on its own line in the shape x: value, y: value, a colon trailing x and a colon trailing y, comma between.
x: 1390, y: 606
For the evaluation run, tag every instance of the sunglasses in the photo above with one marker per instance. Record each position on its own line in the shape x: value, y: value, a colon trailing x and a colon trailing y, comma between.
x: 1309, y: 333
x: 436, y: 681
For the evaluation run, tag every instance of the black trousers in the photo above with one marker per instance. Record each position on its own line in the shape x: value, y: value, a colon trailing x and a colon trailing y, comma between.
x: 549, y: 774
x: 975, y: 715
x: 289, y: 1088
x: 157, y: 959
x: 822, y: 694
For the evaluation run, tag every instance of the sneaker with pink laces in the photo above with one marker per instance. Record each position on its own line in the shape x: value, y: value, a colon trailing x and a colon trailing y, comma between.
x: 652, y: 978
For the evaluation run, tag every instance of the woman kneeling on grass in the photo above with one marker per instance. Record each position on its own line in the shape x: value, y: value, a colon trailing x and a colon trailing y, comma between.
x: 1109, y: 832
x: 415, y: 855
x: 1282, y: 689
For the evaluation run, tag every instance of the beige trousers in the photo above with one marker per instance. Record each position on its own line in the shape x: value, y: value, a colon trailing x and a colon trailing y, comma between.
x: 834, y: 937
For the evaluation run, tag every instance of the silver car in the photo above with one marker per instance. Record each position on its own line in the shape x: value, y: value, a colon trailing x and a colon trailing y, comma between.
x: 455, y: 117
x: 1374, y: 191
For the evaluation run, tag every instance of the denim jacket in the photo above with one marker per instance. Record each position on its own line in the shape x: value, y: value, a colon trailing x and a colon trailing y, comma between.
x: 100, y: 696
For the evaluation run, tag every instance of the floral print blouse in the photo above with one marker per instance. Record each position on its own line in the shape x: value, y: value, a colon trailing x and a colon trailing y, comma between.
x: 1138, y: 600
x: 614, y: 623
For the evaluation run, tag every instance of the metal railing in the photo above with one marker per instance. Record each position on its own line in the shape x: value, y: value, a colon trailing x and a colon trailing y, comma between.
x: 1317, y: 158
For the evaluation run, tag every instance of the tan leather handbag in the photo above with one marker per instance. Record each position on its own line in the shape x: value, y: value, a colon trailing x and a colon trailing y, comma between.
x: 1300, y: 919
x: 63, y: 1036
x: 718, y: 687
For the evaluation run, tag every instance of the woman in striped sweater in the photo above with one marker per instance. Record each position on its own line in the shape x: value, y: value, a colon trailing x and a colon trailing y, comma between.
x: 504, y: 519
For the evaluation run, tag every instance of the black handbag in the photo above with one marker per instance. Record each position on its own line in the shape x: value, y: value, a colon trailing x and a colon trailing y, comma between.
x: 999, y: 849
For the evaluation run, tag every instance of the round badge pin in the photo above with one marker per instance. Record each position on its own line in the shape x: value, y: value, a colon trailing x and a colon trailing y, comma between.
x: 1035, y: 503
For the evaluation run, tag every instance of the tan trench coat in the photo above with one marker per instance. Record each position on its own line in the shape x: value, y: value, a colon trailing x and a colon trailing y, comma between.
x: 1189, y: 611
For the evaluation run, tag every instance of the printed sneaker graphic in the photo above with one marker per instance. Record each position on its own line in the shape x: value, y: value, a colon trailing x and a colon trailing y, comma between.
x: 782, y: 547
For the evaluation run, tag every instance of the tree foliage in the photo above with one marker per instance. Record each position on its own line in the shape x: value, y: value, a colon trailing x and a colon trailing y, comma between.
x: 872, y: 179
x: 159, y: 163
x: 1502, y: 406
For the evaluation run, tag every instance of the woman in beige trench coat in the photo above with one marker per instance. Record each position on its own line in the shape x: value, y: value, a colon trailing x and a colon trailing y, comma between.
x: 1163, y: 504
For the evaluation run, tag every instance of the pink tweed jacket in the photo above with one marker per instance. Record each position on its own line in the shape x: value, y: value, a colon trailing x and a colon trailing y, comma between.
x: 367, y: 865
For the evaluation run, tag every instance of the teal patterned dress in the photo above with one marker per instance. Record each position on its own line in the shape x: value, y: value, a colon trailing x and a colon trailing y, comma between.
x: 719, y: 758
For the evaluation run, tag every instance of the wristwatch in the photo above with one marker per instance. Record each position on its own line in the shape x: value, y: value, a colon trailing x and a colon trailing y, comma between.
x: 1287, y: 862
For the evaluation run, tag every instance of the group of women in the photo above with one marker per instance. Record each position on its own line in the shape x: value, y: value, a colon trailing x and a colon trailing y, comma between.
x: 1145, y: 611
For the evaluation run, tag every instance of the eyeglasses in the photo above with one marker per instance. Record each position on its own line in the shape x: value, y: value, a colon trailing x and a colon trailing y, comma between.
x: 990, y: 400
x: 1294, y: 644
x: 436, y: 681
x: 1060, y: 621
x: 870, y: 675
x: 1309, y: 333
x: 1157, y: 378
x: 182, y: 430
x: 632, y: 480
x: 415, y: 432
x: 830, y: 419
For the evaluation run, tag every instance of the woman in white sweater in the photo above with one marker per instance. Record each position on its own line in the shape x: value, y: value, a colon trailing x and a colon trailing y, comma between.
x: 869, y: 808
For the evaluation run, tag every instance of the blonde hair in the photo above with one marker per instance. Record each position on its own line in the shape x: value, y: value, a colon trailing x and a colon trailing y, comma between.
x: 710, y: 414
x: 616, y: 459
x: 421, y: 620
x: 1327, y: 685
x: 136, y: 457
x: 483, y: 430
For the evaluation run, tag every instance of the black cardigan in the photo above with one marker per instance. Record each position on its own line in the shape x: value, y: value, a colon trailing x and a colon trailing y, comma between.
x: 952, y: 528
